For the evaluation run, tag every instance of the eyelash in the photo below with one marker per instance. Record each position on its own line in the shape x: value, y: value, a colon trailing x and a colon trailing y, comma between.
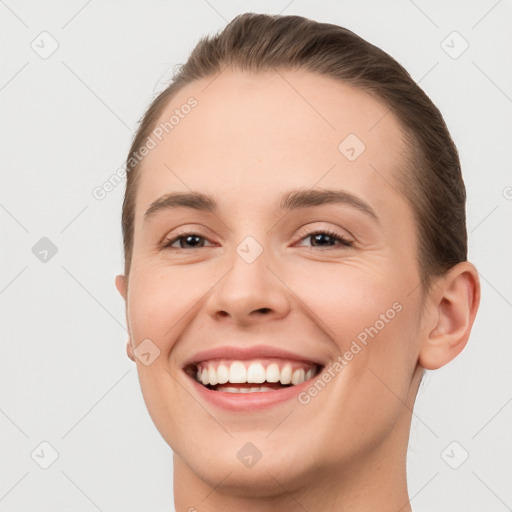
x: 343, y: 241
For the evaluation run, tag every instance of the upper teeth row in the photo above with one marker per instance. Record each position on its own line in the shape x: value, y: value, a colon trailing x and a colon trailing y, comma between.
x: 236, y: 373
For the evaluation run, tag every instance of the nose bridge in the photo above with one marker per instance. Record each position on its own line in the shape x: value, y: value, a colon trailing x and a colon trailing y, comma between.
x: 249, y: 287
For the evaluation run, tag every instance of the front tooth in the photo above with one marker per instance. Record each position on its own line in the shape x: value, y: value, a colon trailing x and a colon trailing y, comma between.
x: 273, y: 373
x: 205, y: 376
x: 212, y: 375
x: 256, y: 373
x: 298, y: 376
x: 286, y: 374
x: 222, y: 374
x: 230, y: 390
x: 237, y: 373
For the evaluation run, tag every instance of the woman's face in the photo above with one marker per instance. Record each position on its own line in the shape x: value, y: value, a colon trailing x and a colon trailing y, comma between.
x: 257, y: 280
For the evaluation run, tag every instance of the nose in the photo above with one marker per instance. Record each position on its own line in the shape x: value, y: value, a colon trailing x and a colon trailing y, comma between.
x: 249, y: 293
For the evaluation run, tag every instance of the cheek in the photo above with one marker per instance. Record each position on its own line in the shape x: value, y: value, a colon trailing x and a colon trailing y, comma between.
x: 371, y: 320
x: 154, y: 304
x: 158, y: 303
x: 347, y: 299
x: 161, y: 303
x: 373, y: 324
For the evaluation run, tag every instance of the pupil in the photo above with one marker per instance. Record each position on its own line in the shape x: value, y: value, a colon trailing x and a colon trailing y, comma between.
x: 319, y: 236
x: 189, y: 238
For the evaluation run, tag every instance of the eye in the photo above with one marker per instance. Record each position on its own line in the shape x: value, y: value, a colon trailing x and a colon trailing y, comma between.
x: 326, y: 238
x: 319, y: 238
x: 187, y: 240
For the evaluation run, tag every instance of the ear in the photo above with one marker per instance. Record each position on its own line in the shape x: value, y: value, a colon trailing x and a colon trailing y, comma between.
x: 455, y: 299
x: 121, y: 288
x: 129, y: 350
x: 121, y: 285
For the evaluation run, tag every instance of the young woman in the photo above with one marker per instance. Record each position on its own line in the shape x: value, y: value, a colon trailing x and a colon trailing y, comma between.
x: 295, y: 258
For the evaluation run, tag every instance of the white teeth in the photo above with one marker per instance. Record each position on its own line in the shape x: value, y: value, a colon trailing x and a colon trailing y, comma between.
x: 256, y: 389
x: 256, y: 373
x: 232, y: 390
x: 272, y: 374
x: 298, y: 376
x: 237, y: 373
x: 286, y: 374
x: 222, y: 374
x: 212, y: 376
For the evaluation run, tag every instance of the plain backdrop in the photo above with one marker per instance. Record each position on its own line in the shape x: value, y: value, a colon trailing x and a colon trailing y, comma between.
x: 67, y: 119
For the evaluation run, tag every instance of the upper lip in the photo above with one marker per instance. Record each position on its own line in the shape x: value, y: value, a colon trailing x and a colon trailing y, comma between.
x: 251, y: 352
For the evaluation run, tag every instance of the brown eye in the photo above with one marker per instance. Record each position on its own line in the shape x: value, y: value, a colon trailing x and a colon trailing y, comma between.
x: 186, y: 241
x: 326, y: 238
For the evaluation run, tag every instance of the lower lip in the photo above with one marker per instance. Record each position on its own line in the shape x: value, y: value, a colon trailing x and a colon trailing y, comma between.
x: 249, y: 401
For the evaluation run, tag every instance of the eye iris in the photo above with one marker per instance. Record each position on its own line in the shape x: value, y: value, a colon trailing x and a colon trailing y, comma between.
x: 187, y: 240
x: 319, y: 236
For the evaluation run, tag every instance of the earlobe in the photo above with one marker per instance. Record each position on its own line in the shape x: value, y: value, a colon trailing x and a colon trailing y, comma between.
x: 457, y: 301
x: 129, y: 350
x: 121, y: 288
x: 121, y: 285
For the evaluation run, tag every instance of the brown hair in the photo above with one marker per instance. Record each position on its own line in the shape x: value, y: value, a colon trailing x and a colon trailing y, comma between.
x: 433, y: 182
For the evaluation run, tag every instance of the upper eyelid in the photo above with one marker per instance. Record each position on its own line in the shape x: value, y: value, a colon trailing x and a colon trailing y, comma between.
x: 336, y: 231
x: 200, y: 230
x: 180, y: 231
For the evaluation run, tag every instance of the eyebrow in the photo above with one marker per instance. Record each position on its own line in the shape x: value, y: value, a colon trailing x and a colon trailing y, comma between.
x: 291, y: 200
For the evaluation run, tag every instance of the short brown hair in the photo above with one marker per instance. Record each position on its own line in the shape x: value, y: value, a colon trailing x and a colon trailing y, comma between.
x: 433, y: 182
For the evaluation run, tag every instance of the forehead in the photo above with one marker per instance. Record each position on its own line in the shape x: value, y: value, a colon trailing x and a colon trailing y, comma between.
x: 250, y: 135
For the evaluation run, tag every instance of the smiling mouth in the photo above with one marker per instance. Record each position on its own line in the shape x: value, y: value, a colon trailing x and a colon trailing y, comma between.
x: 251, y: 376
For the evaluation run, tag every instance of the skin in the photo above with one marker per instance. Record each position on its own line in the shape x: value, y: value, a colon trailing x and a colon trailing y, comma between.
x: 251, y: 138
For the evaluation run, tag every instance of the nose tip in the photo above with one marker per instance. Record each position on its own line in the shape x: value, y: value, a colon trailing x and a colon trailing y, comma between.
x: 248, y: 293
x: 242, y: 314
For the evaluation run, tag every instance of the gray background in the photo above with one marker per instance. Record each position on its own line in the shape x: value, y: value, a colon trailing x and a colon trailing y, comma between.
x: 67, y: 122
